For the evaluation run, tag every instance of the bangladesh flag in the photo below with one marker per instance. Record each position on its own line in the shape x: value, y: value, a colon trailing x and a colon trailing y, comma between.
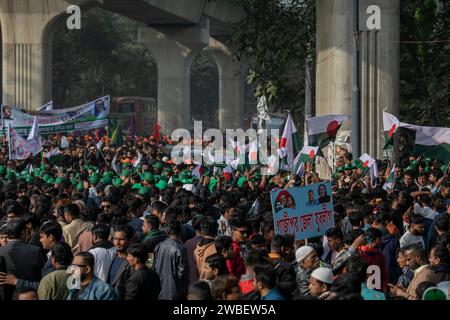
x: 290, y: 143
x: 390, y: 182
x: 390, y: 126
x: 198, y: 171
x: 433, y: 142
x: 323, y: 129
x: 308, y: 153
x: 54, y: 156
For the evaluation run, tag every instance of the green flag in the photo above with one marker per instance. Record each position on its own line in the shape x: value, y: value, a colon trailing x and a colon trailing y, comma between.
x: 116, y: 136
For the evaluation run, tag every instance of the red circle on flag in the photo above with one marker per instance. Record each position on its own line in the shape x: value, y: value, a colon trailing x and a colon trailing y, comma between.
x: 332, y: 128
x: 311, y: 154
x: 366, y: 163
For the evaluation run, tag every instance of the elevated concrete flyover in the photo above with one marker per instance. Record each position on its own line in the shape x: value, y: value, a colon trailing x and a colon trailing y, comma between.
x: 181, y: 28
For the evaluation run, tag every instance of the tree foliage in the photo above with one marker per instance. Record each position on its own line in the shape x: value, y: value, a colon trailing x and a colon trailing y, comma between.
x: 424, y: 66
x: 276, y: 37
x: 102, y: 58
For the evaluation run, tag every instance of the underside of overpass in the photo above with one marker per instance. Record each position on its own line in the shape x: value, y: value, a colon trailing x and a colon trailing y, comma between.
x: 178, y: 29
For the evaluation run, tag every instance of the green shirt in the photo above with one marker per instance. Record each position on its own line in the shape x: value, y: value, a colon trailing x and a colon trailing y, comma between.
x: 54, y: 286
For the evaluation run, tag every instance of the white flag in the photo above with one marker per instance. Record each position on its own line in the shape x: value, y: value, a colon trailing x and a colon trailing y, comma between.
x: 46, y: 107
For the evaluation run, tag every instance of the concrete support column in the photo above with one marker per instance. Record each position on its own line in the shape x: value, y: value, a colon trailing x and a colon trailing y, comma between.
x: 380, y: 51
x: 174, y: 50
x: 380, y: 72
x: 27, y: 50
x: 231, y: 86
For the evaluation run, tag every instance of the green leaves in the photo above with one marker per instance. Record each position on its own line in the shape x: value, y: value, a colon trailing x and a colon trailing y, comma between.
x: 277, y: 38
x: 424, y: 76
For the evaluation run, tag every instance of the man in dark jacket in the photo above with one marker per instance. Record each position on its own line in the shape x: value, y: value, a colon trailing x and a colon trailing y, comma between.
x: 143, y: 284
x: 190, y: 245
x: 286, y: 284
x: 171, y: 263
x: 120, y: 270
x: 389, y: 244
x: 23, y: 261
x: 152, y: 234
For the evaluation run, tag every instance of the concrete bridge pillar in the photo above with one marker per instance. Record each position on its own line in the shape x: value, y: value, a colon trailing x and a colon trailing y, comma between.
x: 231, y: 85
x: 174, y: 50
x: 380, y: 51
x: 26, y: 37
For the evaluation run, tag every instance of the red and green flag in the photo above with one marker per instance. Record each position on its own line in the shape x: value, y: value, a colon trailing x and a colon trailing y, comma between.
x: 390, y: 127
x: 290, y: 144
x: 323, y: 130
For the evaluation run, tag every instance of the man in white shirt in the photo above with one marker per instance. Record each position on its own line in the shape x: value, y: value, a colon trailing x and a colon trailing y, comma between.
x: 103, y: 251
x: 423, y: 208
x: 415, y: 232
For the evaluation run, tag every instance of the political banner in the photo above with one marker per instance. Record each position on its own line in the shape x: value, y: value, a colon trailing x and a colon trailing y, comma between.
x: 304, y: 212
x: 19, y: 147
x: 88, y: 116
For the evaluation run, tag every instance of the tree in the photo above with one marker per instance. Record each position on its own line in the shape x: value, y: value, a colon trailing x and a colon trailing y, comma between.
x: 102, y: 58
x: 424, y: 62
x: 277, y: 37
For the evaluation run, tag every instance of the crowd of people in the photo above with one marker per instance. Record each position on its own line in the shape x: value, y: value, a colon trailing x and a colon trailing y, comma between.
x: 125, y: 222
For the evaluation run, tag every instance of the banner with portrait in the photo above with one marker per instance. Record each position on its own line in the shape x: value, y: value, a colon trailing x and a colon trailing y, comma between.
x: 304, y: 212
x: 88, y: 116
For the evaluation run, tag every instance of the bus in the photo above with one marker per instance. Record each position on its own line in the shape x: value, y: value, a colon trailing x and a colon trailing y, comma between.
x: 143, y: 110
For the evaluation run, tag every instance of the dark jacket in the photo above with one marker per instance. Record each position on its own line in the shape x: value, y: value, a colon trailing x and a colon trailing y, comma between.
x: 441, y: 272
x: 390, y: 246
x: 171, y: 264
x: 23, y: 260
x: 286, y: 283
x: 143, y: 284
x: 120, y: 280
x: 152, y: 238
x: 137, y: 223
x: 190, y: 247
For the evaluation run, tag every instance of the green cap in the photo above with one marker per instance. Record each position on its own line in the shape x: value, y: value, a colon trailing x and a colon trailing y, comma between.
x: 158, y: 165
x: 73, y: 181
x: 147, y: 176
x: 80, y: 186
x: 10, y: 175
x: 241, y: 181
x: 161, y: 185
x: 136, y: 186
x: 185, y: 181
x: 340, y: 169
x: 106, y: 180
x: 117, y: 182
x: 108, y: 174
x: 125, y: 173
x: 59, y: 180
x: 347, y: 167
x: 94, y: 179
x: 51, y: 181
x: 144, y: 190
x: 427, y: 169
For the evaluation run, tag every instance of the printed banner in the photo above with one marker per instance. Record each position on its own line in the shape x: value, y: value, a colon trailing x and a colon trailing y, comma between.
x: 88, y: 116
x: 19, y: 147
x: 304, y: 212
